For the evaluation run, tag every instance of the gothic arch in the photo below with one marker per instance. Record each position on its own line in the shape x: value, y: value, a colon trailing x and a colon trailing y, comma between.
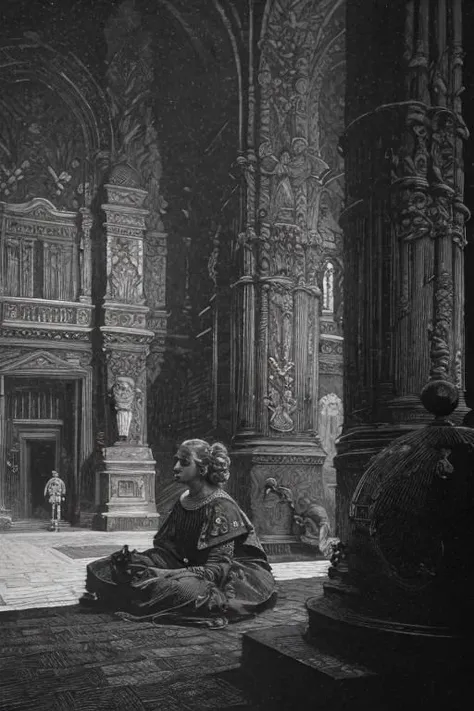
x: 31, y: 59
x: 231, y: 24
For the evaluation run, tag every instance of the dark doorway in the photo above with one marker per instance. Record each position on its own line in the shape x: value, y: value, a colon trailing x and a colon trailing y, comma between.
x: 42, y: 460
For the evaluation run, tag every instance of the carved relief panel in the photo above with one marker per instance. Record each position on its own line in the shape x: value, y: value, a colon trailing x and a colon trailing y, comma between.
x: 39, y: 251
x: 126, y: 377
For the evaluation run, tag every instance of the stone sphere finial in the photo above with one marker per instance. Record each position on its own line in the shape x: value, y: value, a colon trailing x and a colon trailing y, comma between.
x: 440, y: 397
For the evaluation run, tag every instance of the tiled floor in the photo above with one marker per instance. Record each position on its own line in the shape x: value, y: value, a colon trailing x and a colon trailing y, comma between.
x: 44, y: 569
x: 79, y: 659
x: 71, y: 658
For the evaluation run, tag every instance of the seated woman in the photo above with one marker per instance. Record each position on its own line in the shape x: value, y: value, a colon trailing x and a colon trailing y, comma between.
x: 206, y: 566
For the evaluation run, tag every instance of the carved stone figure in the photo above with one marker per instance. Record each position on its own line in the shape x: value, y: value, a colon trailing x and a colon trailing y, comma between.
x: 124, y: 392
x: 280, y: 400
x: 328, y: 227
x: 125, y: 278
x: 280, y: 419
x: 55, y: 490
x: 330, y: 423
x: 314, y: 520
x: 310, y: 517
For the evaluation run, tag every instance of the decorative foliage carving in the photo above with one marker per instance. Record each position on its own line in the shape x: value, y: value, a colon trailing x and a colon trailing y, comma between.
x: 155, y: 270
x: 280, y: 400
x: 43, y: 152
x: 440, y: 331
x: 331, y: 347
x: 300, y: 123
x: 130, y: 78
x: 46, y: 313
x: 125, y: 277
x: 44, y: 334
x: 124, y: 363
x: 125, y: 319
x: 281, y: 321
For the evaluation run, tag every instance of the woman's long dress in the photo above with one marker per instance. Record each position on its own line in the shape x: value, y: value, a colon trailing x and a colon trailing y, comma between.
x: 207, y: 567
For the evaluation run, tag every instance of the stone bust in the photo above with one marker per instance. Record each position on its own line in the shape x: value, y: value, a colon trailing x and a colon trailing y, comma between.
x: 123, y: 392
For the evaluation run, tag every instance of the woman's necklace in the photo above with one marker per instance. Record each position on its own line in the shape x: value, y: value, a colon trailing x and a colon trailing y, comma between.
x: 195, y: 502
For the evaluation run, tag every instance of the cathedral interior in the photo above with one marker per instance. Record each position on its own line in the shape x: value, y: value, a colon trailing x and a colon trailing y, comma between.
x: 240, y: 220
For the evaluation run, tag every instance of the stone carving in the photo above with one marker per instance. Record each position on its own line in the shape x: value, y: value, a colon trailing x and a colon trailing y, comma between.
x: 39, y: 360
x: 125, y: 319
x: 314, y: 520
x: 280, y: 400
x: 331, y: 347
x: 124, y: 393
x: 50, y: 313
x: 327, y: 225
x: 125, y: 279
x: 330, y: 367
x: 132, y: 389
x: 308, y: 516
x: 37, y: 229
x: 441, y: 329
x: 44, y: 154
x: 155, y: 269
x: 43, y: 334
x: 130, y: 78
x: 330, y: 424
x: 131, y: 338
x: 137, y: 426
x: 5, y: 519
x: 458, y: 369
x: 128, y: 488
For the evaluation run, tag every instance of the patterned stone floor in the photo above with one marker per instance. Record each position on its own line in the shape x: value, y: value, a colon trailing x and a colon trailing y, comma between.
x: 44, y: 569
x: 57, y: 656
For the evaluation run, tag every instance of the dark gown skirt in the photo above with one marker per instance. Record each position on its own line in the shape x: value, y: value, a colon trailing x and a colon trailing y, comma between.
x: 206, y: 567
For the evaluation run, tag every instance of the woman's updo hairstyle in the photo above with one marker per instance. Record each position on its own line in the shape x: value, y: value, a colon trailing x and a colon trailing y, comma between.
x: 212, y: 459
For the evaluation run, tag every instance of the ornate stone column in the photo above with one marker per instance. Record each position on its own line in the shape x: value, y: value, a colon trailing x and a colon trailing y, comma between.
x: 403, y: 223
x: 85, y: 255
x: 281, y: 255
x: 127, y: 475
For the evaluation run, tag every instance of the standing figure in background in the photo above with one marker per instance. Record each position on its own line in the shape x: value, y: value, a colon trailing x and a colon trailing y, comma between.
x: 55, y: 490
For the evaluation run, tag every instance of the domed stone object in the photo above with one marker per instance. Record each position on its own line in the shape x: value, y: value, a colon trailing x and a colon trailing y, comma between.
x: 124, y: 175
x: 440, y: 397
x: 408, y: 564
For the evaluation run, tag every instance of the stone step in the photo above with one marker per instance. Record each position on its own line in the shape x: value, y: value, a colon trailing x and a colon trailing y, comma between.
x: 321, y: 673
x: 32, y: 524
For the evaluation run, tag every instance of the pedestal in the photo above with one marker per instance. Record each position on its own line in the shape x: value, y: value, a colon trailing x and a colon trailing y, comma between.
x: 5, y: 520
x: 126, y: 484
x: 287, y: 669
x: 296, y: 466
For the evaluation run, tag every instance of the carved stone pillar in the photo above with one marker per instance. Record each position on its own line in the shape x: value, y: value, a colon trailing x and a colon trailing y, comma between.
x: 127, y: 475
x: 155, y: 291
x: 85, y: 256
x: 282, y: 254
x: 403, y: 224
x: 5, y: 517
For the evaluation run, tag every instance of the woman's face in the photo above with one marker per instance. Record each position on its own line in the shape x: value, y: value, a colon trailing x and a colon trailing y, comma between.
x: 186, y: 468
